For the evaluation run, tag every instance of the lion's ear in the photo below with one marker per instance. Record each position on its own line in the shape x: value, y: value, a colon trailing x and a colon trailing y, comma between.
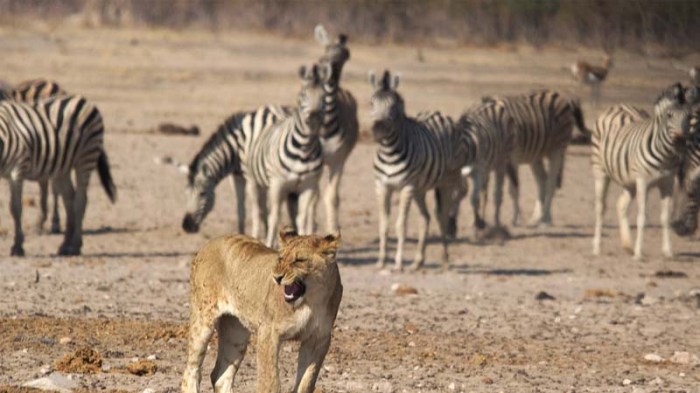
x: 286, y: 234
x: 331, y: 243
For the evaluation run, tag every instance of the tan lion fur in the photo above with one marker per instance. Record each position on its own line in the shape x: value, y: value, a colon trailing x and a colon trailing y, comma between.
x: 234, y: 288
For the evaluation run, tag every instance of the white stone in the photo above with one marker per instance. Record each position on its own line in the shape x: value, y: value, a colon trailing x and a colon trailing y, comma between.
x: 452, y: 386
x: 684, y: 358
x: 652, y: 357
x: 55, y: 382
x: 152, y: 357
x: 149, y: 390
x: 626, y: 382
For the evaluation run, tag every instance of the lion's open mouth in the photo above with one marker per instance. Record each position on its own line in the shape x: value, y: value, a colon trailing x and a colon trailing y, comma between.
x: 294, y: 291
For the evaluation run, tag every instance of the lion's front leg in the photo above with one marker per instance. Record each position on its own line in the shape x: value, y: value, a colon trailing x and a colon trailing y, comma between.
x: 268, y: 348
x: 311, y: 354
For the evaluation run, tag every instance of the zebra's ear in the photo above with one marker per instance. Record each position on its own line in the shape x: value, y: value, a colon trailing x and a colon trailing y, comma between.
x: 395, y: 82
x: 385, y: 83
x: 372, y: 78
x: 321, y: 35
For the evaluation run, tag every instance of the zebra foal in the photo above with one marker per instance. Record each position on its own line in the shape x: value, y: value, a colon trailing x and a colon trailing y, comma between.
x: 413, y: 156
x: 287, y: 158
x: 47, y: 141
x: 638, y: 153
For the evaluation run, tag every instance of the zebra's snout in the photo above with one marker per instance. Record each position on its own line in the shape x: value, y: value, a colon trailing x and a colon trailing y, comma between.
x: 189, y: 225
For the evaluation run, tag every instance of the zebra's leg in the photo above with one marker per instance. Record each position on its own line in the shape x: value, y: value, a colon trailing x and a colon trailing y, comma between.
x: 623, y: 203
x: 449, y: 196
x: 259, y: 202
x: 55, y: 217
x: 384, y: 204
x: 425, y: 224
x: 233, y: 342
x: 275, y: 196
x: 405, y: 197
x: 514, y: 191
x: 602, y: 182
x: 666, y: 189
x: 478, y: 180
x: 305, y: 218
x: 484, y: 196
x: 64, y: 186
x: 238, y: 183
x: 331, y: 197
x: 16, y: 184
x: 498, y: 197
x: 642, y: 191
x: 43, y: 204
x: 541, y: 179
x: 82, y: 182
x: 311, y: 215
x: 293, y: 211
x: 556, y: 165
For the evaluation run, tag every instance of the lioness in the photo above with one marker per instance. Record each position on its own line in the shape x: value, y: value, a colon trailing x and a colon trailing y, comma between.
x: 240, y: 286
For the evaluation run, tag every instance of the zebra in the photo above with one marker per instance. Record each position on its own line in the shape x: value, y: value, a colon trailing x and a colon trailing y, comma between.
x: 488, y: 134
x: 542, y: 126
x: 46, y: 140
x: 687, y: 200
x: 288, y: 157
x: 224, y: 154
x: 30, y: 91
x: 638, y: 153
x: 414, y: 155
x: 340, y: 129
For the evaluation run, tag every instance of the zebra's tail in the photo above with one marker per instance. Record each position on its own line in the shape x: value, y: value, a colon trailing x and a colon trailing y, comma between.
x: 106, y: 176
x: 585, y: 137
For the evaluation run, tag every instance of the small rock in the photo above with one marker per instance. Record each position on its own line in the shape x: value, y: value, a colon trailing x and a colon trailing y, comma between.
x: 626, y: 382
x: 654, y: 358
x: 542, y: 295
x: 355, y: 386
x: 151, y: 357
x: 403, y: 289
x: 65, y: 340
x: 487, y: 380
x: 383, y: 387
x: 329, y: 368
x: 411, y: 344
x: 684, y: 358
x: 657, y: 381
x: 149, y: 390
x: 45, y: 369
x: 646, y: 300
x: 54, y: 382
x: 452, y: 386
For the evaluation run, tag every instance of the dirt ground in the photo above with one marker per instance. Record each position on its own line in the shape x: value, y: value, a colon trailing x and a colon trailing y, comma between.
x: 478, y: 328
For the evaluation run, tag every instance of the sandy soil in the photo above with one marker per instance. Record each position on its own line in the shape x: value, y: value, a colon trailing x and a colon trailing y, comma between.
x: 476, y: 328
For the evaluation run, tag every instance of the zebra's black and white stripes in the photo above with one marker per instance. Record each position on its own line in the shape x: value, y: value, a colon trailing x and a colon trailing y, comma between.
x: 225, y: 154
x: 287, y: 158
x: 29, y: 92
x: 687, y: 202
x: 340, y: 125
x: 413, y: 156
x: 48, y: 140
x: 542, y: 127
x: 638, y: 153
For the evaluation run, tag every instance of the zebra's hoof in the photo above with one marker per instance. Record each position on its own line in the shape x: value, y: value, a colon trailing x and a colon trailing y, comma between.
x: 415, y: 265
x: 66, y: 250
x: 17, y: 251
x: 379, y: 265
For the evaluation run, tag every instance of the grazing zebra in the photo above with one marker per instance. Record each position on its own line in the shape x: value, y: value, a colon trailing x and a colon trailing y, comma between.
x: 488, y: 132
x: 287, y: 157
x: 414, y: 155
x: 638, y: 153
x: 46, y: 140
x: 687, y: 203
x: 542, y: 127
x: 225, y: 154
x: 29, y: 92
x: 340, y: 125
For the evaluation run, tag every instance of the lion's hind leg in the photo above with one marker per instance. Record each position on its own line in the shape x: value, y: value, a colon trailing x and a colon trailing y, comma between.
x: 201, y: 330
x: 233, y: 341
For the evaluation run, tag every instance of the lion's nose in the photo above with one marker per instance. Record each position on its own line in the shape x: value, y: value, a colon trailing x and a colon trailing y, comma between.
x: 278, y: 279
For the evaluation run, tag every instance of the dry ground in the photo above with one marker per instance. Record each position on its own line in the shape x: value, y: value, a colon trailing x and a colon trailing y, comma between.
x: 477, y: 328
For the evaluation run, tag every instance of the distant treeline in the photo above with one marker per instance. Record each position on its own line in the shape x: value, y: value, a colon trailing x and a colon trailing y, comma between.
x: 633, y: 24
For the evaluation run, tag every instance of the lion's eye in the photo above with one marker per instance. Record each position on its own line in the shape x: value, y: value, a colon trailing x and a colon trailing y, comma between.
x: 300, y: 260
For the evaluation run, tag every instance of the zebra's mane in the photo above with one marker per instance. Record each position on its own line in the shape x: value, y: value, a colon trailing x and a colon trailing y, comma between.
x: 214, y: 141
